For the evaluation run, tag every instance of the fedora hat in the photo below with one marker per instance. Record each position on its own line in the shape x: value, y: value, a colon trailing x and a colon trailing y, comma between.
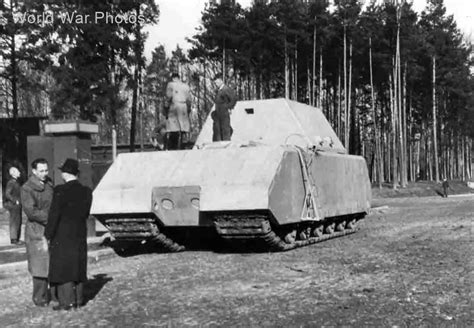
x: 70, y: 166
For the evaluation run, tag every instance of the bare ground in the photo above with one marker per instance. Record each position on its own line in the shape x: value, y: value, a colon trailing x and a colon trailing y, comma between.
x: 408, y: 267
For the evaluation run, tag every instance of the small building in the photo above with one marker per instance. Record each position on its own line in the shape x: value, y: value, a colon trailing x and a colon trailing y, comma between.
x: 13, y: 145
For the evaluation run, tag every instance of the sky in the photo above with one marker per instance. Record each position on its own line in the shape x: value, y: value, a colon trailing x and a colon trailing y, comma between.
x: 179, y: 19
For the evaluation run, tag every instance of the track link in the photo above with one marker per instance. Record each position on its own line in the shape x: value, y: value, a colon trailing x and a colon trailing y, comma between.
x: 138, y: 229
x: 238, y: 228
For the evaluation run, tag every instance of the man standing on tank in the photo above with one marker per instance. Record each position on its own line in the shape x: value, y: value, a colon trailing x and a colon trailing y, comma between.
x: 224, y: 102
x: 13, y: 204
x: 36, y: 196
x: 177, y: 112
x: 66, y: 233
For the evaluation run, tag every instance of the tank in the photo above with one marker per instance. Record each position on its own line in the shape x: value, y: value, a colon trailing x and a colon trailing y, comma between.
x: 284, y: 181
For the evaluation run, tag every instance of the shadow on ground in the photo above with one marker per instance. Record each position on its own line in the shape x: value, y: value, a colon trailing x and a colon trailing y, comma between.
x: 94, y: 285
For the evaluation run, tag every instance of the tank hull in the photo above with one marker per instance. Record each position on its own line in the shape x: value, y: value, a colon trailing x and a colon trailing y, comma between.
x: 178, y: 186
x: 281, y: 194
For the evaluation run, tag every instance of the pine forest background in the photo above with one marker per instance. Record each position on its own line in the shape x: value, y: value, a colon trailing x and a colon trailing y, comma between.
x: 396, y: 85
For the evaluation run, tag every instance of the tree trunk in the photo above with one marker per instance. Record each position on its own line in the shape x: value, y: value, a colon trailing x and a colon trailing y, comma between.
x: 349, y: 101
x: 287, y: 70
x: 308, y: 100
x: 199, y: 113
x: 295, y: 67
x: 409, y: 142
x: 204, y: 64
x: 223, y: 63
x: 313, y: 92
x: 136, y: 83
x: 400, y: 107
x: 461, y: 156
x: 339, y: 105
x: 378, y: 162
x: 435, y: 143
x: 134, y: 111
x: 320, y: 95
x: 393, y: 92
x: 140, y: 113
x: 469, y: 158
x: 430, y: 157
x: 467, y: 169
x: 258, y: 83
x: 346, y: 122
x: 249, y: 86
x: 112, y: 100
x: 14, y: 77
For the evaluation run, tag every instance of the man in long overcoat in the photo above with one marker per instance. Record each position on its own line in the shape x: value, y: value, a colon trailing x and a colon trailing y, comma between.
x: 178, y: 124
x: 66, y: 232
x: 224, y: 103
x: 13, y: 204
x: 36, y: 196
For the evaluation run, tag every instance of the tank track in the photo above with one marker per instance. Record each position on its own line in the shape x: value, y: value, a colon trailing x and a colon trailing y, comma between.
x: 138, y: 229
x: 241, y: 228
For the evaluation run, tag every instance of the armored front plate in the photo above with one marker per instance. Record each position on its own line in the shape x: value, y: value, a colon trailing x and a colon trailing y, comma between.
x: 177, y: 206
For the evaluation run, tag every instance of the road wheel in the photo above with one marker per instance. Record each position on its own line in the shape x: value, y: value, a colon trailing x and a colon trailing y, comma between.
x: 341, y: 225
x: 330, y: 228
x: 290, y: 237
x: 318, y: 230
x: 304, y: 233
x: 351, y: 224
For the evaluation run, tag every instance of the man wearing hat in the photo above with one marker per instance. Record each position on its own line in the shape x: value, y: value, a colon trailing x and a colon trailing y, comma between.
x: 66, y: 232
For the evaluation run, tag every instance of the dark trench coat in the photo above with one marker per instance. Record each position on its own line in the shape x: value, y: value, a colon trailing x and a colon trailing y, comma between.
x: 36, y: 199
x: 67, y: 232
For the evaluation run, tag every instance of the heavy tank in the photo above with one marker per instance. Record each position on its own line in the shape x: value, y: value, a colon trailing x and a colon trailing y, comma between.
x: 283, y: 181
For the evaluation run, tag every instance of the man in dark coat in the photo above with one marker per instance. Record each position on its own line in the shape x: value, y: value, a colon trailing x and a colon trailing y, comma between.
x: 36, y: 196
x: 224, y: 103
x: 66, y: 232
x: 13, y: 204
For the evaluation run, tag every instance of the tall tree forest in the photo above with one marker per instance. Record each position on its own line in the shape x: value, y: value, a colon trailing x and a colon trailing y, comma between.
x: 396, y: 85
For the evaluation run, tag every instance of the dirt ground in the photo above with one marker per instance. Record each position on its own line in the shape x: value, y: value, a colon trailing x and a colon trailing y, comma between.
x: 410, y: 265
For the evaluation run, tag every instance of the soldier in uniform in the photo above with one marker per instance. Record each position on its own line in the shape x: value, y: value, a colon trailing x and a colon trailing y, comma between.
x: 177, y: 113
x: 224, y: 102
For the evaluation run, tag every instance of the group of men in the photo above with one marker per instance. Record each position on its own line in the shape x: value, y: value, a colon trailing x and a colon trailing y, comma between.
x: 177, y: 109
x: 55, y: 231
